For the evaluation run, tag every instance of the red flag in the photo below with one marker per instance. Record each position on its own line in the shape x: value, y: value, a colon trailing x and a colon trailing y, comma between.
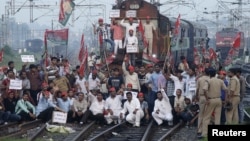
x: 46, y: 62
x: 212, y: 54
x: 1, y: 55
x: 231, y: 52
x: 236, y: 43
x: 84, y: 63
x: 61, y: 12
x: 140, y: 28
x: 141, y: 31
x: 81, y: 52
x: 66, y: 8
x: 177, y: 25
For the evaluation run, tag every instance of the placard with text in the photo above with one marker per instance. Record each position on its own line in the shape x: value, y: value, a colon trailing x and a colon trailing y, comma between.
x: 59, y: 117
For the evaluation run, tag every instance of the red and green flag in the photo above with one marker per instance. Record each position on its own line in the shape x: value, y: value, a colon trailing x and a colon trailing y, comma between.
x: 66, y: 9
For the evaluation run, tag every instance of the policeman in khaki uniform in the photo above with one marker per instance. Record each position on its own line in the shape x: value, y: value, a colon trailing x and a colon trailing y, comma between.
x: 213, y: 101
x: 232, y: 116
x: 201, y: 97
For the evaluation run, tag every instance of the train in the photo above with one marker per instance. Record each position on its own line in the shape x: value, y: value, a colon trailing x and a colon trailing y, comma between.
x: 225, y: 40
x: 191, y: 34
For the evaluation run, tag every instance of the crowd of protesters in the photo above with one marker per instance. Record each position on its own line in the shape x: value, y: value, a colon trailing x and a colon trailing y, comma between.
x: 137, y: 96
x: 131, y: 92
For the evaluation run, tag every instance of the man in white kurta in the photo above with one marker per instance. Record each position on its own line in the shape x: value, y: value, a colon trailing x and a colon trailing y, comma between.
x: 190, y: 89
x: 133, y: 107
x: 162, y: 109
x: 113, y: 107
x: 81, y: 84
x: 130, y: 25
x: 131, y: 77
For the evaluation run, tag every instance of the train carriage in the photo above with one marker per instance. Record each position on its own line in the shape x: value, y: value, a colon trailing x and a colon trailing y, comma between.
x: 191, y: 34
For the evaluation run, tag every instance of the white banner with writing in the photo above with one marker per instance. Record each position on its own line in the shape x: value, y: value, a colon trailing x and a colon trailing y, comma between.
x: 131, y: 13
x: 15, y: 84
x: 59, y: 117
x: 114, y: 13
x: 132, y: 48
x: 192, y: 86
x: 28, y: 58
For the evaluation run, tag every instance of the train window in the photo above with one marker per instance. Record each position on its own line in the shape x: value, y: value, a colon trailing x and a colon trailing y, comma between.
x: 134, y: 6
x: 177, y: 45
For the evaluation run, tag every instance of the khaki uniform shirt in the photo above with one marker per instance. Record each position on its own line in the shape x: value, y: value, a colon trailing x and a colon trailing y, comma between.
x: 201, y: 83
x: 234, y: 85
x: 214, y: 87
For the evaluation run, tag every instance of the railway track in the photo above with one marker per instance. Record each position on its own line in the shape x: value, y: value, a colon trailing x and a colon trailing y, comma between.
x: 123, y: 131
x: 9, y: 128
x: 15, y: 130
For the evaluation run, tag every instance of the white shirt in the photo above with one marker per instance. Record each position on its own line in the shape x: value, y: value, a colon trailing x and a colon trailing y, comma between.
x: 82, y: 83
x: 114, y: 104
x: 128, y: 27
x: 91, y: 98
x: 131, y: 106
x: 97, y: 107
x: 177, y: 84
x: 133, y: 79
x: 190, y: 84
x: 179, y: 101
x: 130, y: 40
x: 93, y: 84
x: 134, y: 94
x: 163, y: 105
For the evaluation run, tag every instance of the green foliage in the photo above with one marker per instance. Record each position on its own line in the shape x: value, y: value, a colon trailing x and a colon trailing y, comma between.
x: 7, y: 50
x: 13, y: 55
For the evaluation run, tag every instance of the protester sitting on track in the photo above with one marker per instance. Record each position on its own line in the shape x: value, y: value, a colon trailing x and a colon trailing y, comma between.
x: 129, y: 89
x: 64, y: 103
x: 71, y: 95
x: 144, y: 107
x: 97, y: 109
x: 179, y: 105
x: 190, y: 113
x: 25, y: 109
x: 162, y: 109
x: 113, y: 107
x: 133, y: 107
x: 10, y: 104
x: 4, y: 116
x: 6, y: 82
x: 45, y: 106
x: 80, y: 106
x: 92, y: 96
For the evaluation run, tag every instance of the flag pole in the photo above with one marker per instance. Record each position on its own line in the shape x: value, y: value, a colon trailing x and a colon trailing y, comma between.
x: 168, y: 51
x: 105, y: 56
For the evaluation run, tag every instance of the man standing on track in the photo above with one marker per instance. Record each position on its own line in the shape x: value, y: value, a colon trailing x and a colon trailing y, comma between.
x: 200, y: 94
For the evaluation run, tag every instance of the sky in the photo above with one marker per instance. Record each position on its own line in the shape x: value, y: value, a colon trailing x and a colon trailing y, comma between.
x: 83, y: 16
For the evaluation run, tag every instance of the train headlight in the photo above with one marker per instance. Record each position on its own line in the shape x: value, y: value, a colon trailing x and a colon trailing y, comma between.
x: 154, y: 55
